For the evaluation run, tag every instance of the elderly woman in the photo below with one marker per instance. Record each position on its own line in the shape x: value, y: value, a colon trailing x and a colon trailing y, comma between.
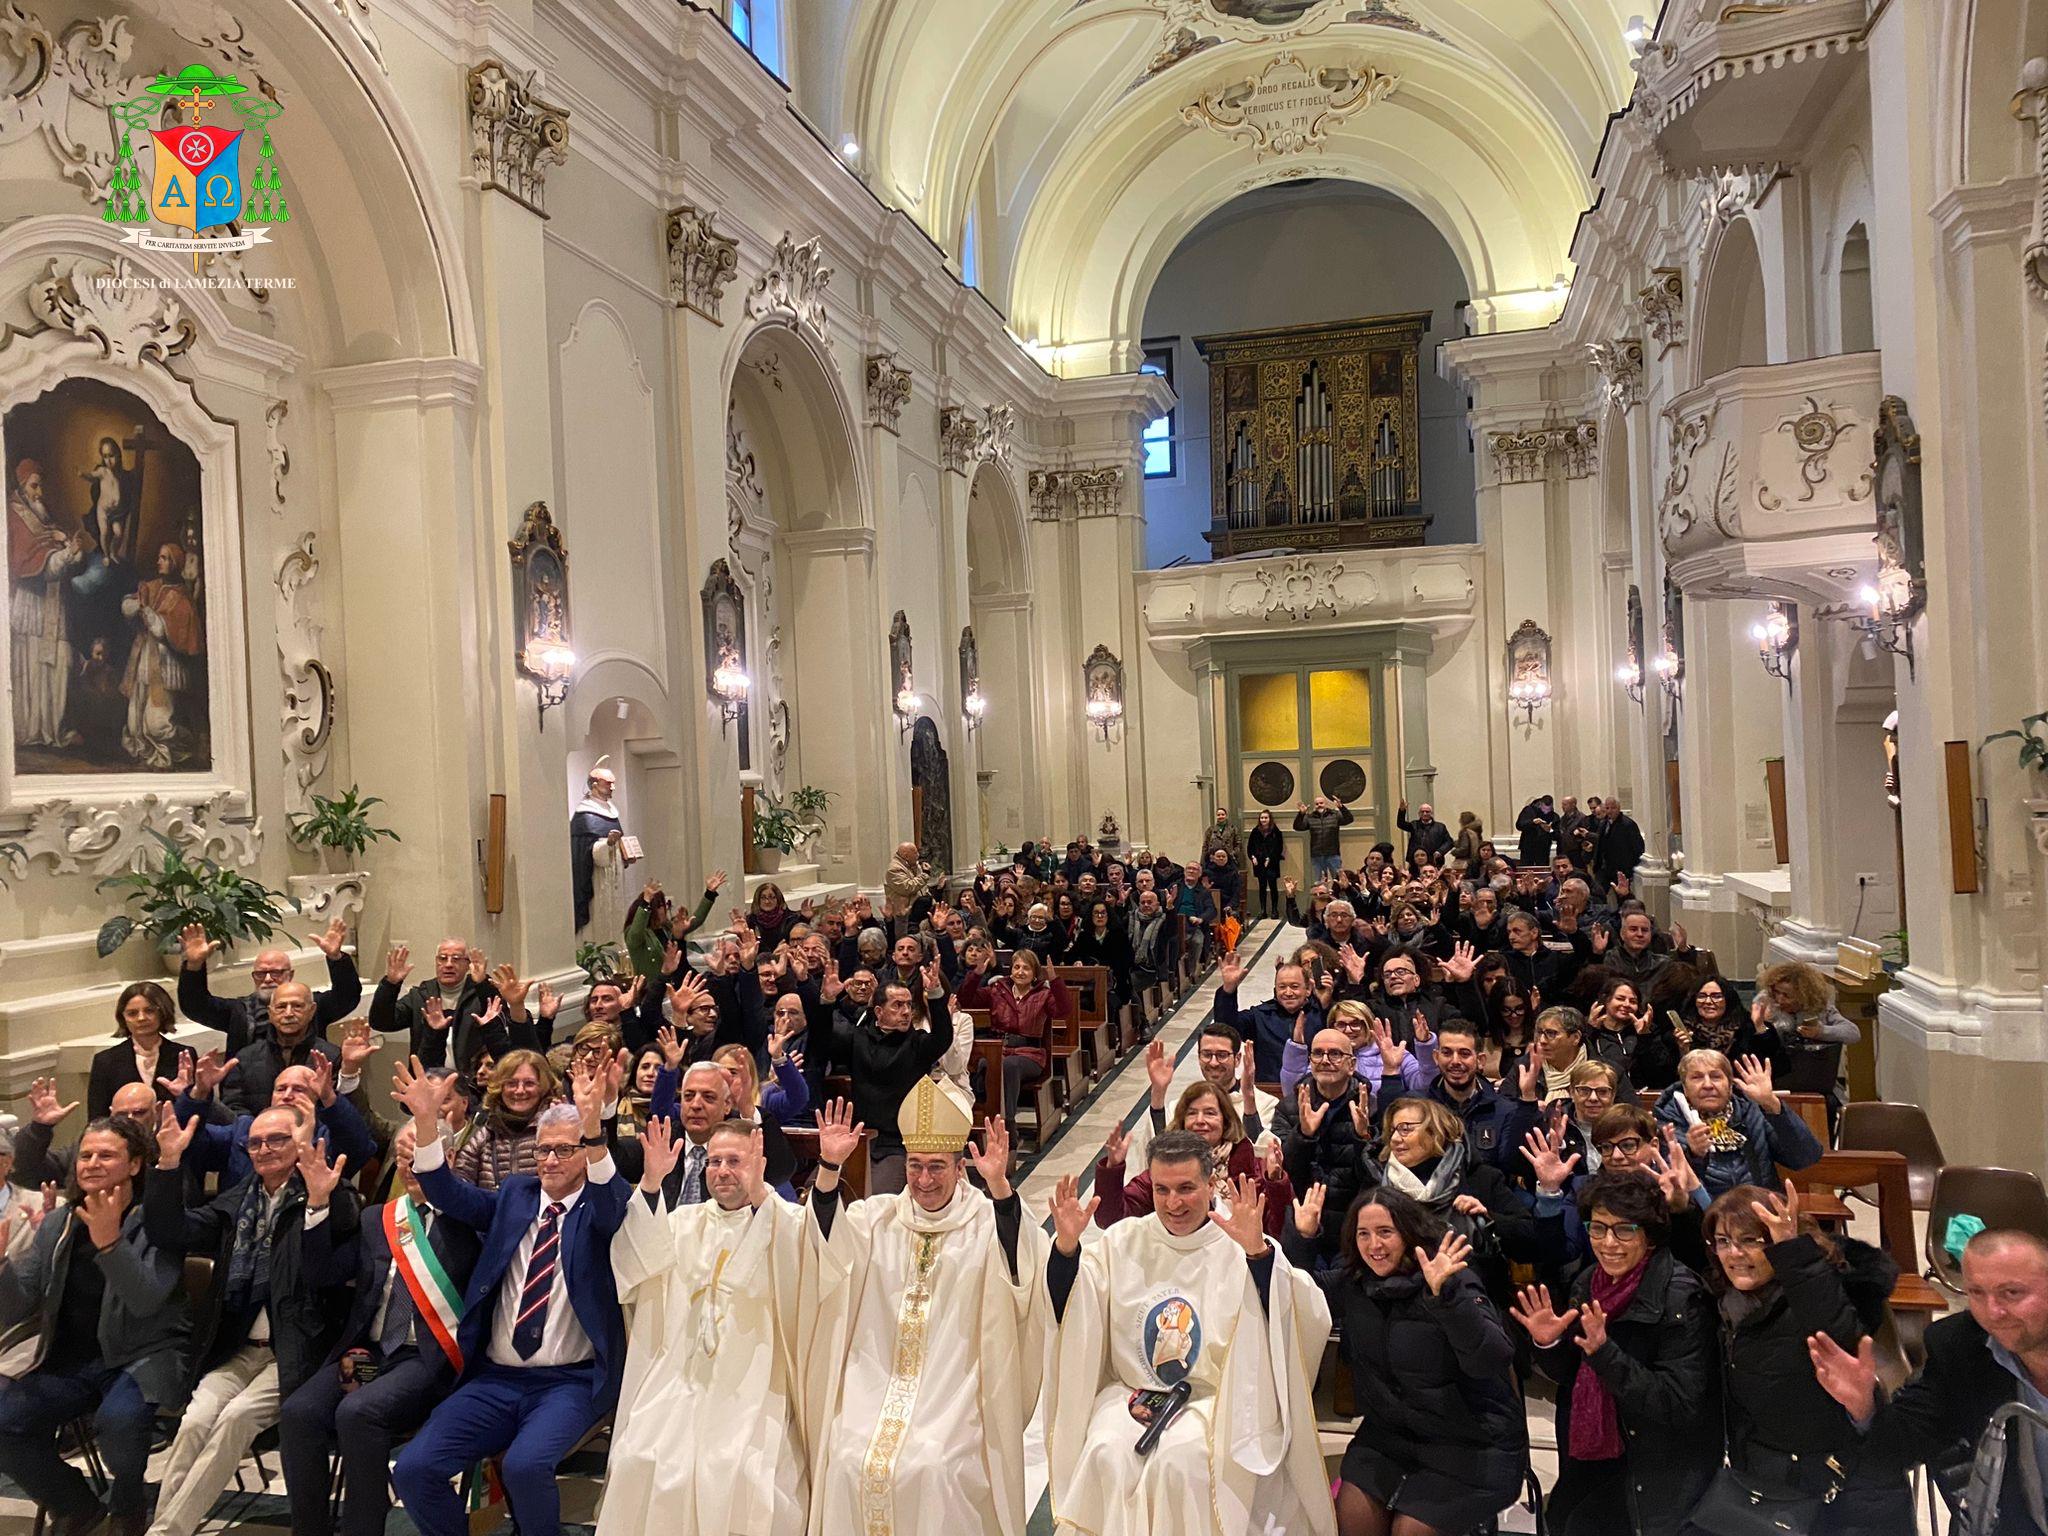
x: 1733, y: 1137
x: 1205, y: 1110
x: 1039, y: 936
x: 1638, y: 1427
x: 1444, y: 1438
x: 143, y: 1016
x: 499, y: 1141
x: 769, y: 915
x: 1023, y: 1008
x: 1425, y: 1156
x: 1792, y: 1450
x: 1795, y: 999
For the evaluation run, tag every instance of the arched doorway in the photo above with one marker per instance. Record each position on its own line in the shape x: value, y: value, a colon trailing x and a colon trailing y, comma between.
x: 998, y: 609
x: 931, y: 794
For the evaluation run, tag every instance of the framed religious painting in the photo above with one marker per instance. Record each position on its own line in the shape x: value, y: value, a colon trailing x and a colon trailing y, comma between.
x: 123, y: 641
x: 545, y: 649
x: 726, y: 654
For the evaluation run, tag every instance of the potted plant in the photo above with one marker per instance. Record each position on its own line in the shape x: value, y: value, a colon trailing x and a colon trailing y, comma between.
x: 598, y: 962
x: 179, y: 892
x: 340, y: 826
x: 783, y: 826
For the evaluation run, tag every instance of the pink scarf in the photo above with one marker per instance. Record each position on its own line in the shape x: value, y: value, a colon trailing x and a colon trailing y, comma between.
x: 1596, y: 1422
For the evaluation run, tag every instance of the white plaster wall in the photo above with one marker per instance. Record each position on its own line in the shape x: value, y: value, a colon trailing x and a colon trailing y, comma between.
x: 1302, y: 255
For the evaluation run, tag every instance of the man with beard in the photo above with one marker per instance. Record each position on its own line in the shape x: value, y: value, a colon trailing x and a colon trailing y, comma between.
x: 241, y: 1019
x: 1495, y: 1124
x: 112, y: 1332
x: 922, y: 1358
x: 886, y: 1056
x: 1224, y: 1059
x: 706, y: 1441
x: 39, y: 556
x: 1325, y: 1130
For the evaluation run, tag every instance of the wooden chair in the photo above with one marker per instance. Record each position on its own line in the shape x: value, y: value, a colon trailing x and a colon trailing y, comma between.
x: 1874, y: 1126
x: 1913, y: 1300
x: 853, y: 1177
x: 1999, y: 1197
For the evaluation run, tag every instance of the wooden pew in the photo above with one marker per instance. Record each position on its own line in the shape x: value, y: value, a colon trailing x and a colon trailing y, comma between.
x: 1090, y: 987
x: 1063, y: 1046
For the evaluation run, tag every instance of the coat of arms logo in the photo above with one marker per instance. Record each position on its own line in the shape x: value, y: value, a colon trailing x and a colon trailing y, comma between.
x: 200, y: 179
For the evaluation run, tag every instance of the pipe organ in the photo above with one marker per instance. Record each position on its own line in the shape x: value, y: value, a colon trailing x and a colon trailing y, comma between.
x: 1315, y: 435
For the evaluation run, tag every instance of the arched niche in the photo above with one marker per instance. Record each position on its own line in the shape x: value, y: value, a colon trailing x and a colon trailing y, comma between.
x: 1857, y: 316
x: 1731, y: 328
x: 801, y: 547
x: 999, y: 611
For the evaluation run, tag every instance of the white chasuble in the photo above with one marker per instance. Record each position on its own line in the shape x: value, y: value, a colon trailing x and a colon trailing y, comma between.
x: 707, y: 1441
x: 1147, y: 1311
x: 922, y: 1361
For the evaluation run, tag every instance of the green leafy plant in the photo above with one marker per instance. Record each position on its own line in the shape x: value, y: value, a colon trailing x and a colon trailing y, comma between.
x: 599, y: 962
x: 795, y: 818
x: 341, y: 824
x: 1895, y: 947
x: 179, y: 892
x: 2033, y: 739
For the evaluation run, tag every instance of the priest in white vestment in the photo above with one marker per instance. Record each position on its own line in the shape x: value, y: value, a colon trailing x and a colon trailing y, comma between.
x: 926, y: 1333
x: 1182, y: 1296
x: 707, y: 1441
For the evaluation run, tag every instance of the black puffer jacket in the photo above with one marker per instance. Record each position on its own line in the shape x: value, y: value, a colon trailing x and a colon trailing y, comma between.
x: 1433, y: 1374
x: 1658, y: 1363
x: 1782, y: 1425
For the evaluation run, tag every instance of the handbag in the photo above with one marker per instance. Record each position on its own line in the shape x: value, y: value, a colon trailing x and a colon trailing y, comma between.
x: 1732, y: 1508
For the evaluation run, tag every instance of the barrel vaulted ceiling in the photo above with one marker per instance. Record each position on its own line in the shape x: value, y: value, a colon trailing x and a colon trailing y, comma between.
x: 1063, y: 125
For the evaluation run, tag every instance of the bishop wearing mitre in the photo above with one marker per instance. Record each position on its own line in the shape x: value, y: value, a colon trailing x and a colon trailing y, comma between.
x: 1177, y: 1397
x: 923, y: 1358
x: 707, y: 1441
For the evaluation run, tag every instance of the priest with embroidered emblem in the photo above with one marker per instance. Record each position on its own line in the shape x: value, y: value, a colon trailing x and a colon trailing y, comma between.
x: 598, y: 856
x: 923, y: 1356
x: 706, y: 1442
x: 1177, y: 1396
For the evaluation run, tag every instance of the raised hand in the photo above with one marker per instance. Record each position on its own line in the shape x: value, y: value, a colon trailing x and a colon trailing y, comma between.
x: 420, y: 1095
x: 615, y: 1071
x: 658, y: 1152
x: 1070, y: 1215
x: 334, y: 939
x: 1680, y: 942
x: 934, y: 979
x: 1353, y: 963
x: 1449, y: 1258
x: 1245, y: 1221
x: 209, y: 1072
x: 1116, y: 1148
x: 586, y: 1088
x: 992, y: 1158
x: 1850, y: 1380
x: 1529, y: 1076
x: 42, y: 1102
x: 629, y: 999
x: 1753, y: 1077
x: 1534, y: 1312
x: 1272, y: 1164
x: 830, y: 988
x: 511, y: 988
x: 1592, y: 1328
x: 321, y: 1178
x: 1309, y: 1113
x: 1779, y: 1216
x: 1760, y: 1011
x: 1159, y: 1070
x: 194, y: 947
x: 172, y: 1138
x: 1392, y: 1052
x: 1463, y: 962
x: 671, y: 1047
x: 1248, y: 1078
x: 715, y: 881
x: 322, y: 1068
x: 1290, y: 886
x: 838, y: 1132
x: 1599, y: 938
x: 101, y: 1212
x: 1308, y: 1211
x: 1545, y: 1151
x: 435, y: 1013
x: 479, y: 966
x: 549, y: 1004
x: 397, y: 964
x: 1361, y: 1117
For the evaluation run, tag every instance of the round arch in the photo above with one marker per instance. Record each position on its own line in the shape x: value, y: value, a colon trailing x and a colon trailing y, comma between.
x: 1731, y: 325
x: 783, y: 384
x: 998, y: 558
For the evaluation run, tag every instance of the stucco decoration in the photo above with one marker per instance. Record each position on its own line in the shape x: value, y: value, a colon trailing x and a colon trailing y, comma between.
x: 280, y: 455
x: 103, y: 840
x: 888, y: 391
x: 306, y: 715
x: 1299, y: 588
x: 514, y: 136
x: 1290, y: 107
x: 793, y: 288
x: 132, y: 321
x: 62, y: 85
x: 701, y: 262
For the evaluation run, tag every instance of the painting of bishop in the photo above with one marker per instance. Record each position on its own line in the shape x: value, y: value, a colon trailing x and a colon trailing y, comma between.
x: 106, y: 590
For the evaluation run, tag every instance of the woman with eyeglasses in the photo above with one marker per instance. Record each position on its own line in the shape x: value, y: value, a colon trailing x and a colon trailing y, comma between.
x: 1205, y: 1110
x: 1735, y: 1126
x: 1444, y: 1438
x: 1792, y: 1449
x: 1714, y: 1017
x: 1638, y: 1420
x: 1561, y: 1046
x: 499, y: 1142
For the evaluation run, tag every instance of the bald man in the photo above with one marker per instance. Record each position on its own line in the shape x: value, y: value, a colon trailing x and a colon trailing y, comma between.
x: 221, y: 1144
x: 36, y: 1162
x: 243, y: 1019
x: 290, y: 1038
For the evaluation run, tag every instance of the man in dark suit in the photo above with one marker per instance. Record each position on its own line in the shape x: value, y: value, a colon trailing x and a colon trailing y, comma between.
x: 543, y: 1343
x: 1977, y: 1362
x: 245, y: 1018
x: 1619, y: 846
x: 447, y: 1010
x: 405, y: 1303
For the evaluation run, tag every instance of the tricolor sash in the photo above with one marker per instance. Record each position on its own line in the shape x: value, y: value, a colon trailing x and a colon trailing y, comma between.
x: 433, y: 1293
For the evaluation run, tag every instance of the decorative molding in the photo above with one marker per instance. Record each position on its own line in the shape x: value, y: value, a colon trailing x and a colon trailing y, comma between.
x: 888, y: 391
x: 741, y: 473
x: 959, y: 432
x: 793, y: 288
x: 274, y: 446
x: 1726, y: 194
x: 1300, y: 587
x: 1815, y: 431
x: 115, y: 839
x: 1047, y: 491
x: 419, y: 382
x: 1523, y: 454
x: 701, y: 262
x: 1289, y: 107
x: 992, y: 441
x: 1191, y: 27
x: 514, y: 136
x: 1662, y: 306
x: 306, y: 715
x: 1435, y: 587
x: 355, y: 15
x: 1621, y: 368
x: 1099, y: 492
x: 1681, y: 510
x: 2030, y: 105
x: 133, y: 321
x: 322, y: 898
x: 84, y: 64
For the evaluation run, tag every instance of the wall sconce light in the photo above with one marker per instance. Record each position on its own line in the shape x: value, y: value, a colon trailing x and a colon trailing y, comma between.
x: 540, y: 571
x: 906, y: 708
x: 900, y: 668
x: 975, y: 707
x: 1528, y: 670
x: 1630, y: 675
x: 973, y: 703
x: 1886, y: 608
x: 1777, y: 635
x: 1102, y: 685
x: 1670, y: 670
x: 729, y: 686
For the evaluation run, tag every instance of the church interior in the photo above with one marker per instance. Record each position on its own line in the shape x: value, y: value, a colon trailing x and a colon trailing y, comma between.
x: 473, y: 466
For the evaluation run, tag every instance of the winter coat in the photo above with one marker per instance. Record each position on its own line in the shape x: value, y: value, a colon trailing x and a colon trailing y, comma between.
x: 1659, y: 1365
x: 1538, y: 826
x: 1495, y: 1124
x: 1767, y: 1141
x: 1432, y: 837
x: 1266, y: 848
x: 1324, y: 829
x: 1026, y: 1022
x: 1333, y: 1157
x: 1269, y: 1027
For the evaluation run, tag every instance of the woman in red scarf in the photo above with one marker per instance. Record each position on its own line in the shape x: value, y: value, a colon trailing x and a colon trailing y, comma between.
x: 1634, y: 1358
x: 1022, y: 1009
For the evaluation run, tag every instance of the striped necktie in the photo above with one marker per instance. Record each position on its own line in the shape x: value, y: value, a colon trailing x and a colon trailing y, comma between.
x: 540, y: 1280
